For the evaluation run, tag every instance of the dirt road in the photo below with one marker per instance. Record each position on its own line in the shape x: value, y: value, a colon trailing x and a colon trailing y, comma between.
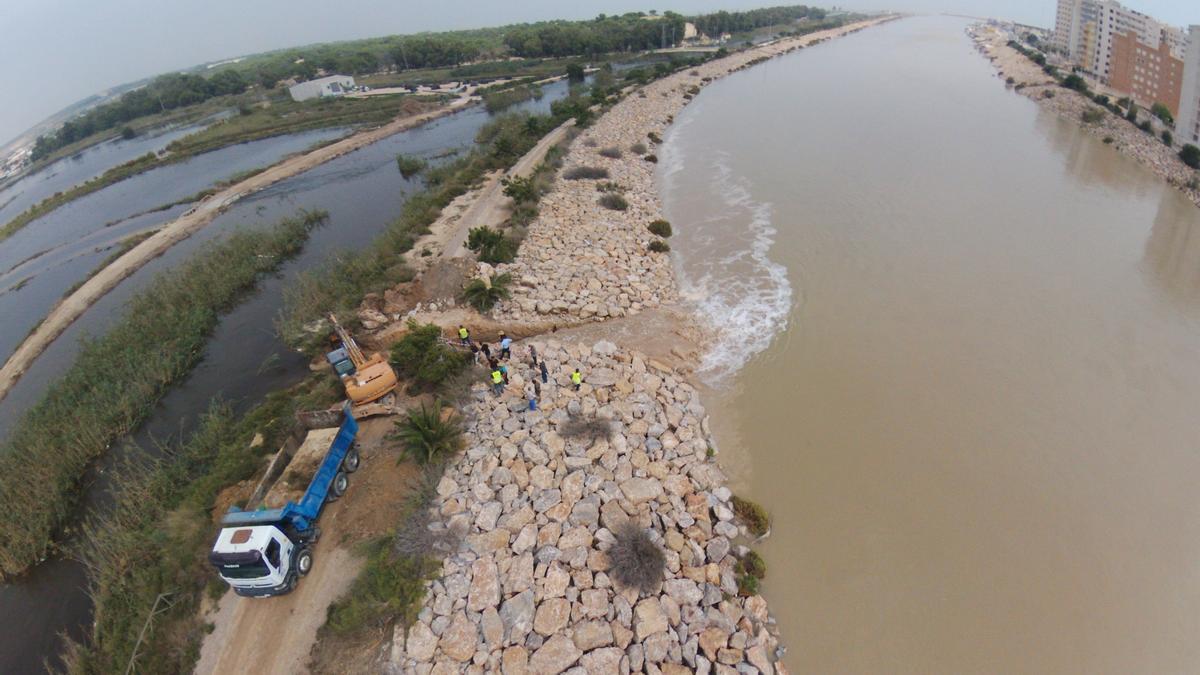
x: 74, y: 305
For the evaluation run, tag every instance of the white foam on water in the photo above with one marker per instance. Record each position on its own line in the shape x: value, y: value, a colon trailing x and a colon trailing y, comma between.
x: 743, y: 296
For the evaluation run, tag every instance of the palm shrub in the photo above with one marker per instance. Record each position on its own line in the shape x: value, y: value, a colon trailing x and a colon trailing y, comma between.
x: 427, y: 434
x: 483, y: 294
x: 660, y: 227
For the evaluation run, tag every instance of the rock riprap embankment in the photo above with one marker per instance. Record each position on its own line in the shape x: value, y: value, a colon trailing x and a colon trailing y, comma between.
x: 535, y: 504
x: 581, y: 261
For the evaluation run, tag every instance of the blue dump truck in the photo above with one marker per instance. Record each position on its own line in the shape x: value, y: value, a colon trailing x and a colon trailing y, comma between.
x: 265, y: 552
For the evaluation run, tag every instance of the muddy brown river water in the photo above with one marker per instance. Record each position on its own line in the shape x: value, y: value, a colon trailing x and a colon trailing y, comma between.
x: 958, y: 360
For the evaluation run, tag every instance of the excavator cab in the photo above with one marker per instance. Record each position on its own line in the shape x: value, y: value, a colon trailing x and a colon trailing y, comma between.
x: 365, y: 379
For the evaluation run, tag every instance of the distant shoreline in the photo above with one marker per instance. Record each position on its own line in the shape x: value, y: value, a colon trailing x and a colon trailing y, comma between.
x: 1029, y: 80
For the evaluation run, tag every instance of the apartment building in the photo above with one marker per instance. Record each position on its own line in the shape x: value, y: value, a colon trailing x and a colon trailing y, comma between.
x: 1187, y: 120
x: 1147, y: 74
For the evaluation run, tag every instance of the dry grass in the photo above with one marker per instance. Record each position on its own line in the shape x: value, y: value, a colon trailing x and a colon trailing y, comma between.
x: 636, y: 561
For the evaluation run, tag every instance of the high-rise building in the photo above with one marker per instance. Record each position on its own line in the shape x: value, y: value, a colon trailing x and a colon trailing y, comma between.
x: 1066, y: 25
x: 1187, y: 121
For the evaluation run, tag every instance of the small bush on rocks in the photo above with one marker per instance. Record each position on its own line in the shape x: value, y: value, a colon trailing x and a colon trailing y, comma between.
x: 614, y: 201
x: 752, y: 515
x: 409, y: 166
x: 753, y: 564
x: 660, y: 227
x: 585, y: 173
x: 659, y: 246
x: 1167, y: 139
x: 747, y: 585
x: 635, y: 560
x: 638, y: 148
x: 654, y: 138
x: 651, y: 158
x: 1047, y: 94
x: 1092, y: 115
x: 1108, y: 140
x: 585, y: 428
x: 1190, y: 155
x: 611, y: 153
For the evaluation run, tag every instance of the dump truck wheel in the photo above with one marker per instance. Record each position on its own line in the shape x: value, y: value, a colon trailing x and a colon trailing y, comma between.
x: 304, y: 561
x: 340, y: 482
x: 350, y: 462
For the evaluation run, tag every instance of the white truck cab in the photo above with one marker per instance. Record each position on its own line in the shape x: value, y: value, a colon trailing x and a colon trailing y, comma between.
x: 259, y: 560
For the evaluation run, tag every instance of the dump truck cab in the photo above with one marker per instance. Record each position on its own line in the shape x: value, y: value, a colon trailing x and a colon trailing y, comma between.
x: 260, y: 561
x: 264, y: 552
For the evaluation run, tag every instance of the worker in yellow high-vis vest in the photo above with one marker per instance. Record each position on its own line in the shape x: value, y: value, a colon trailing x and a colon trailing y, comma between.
x: 497, y: 381
x: 576, y: 379
x: 464, y: 335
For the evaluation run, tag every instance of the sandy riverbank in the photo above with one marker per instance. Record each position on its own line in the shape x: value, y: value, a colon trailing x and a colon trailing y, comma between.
x: 1032, y: 82
x: 70, y: 308
x: 535, y: 505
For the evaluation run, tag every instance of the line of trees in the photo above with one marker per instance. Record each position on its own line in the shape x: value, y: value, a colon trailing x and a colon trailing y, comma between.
x: 604, y: 34
x: 735, y: 22
x: 166, y: 92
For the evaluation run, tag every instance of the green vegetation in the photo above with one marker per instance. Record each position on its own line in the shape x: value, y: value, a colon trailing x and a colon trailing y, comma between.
x: 635, y: 561
x: 1132, y: 115
x: 490, y: 246
x: 585, y: 427
x: 428, y: 434
x: 1047, y: 94
x: 614, y: 201
x: 659, y: 246
x: 483, y: 294
x: 1075, y: 82
x: 747, y: 585
x: 1092, y: 115
x: 1190, y: 155
x: 1109, y: 140
x: 651, y: 158
x: 585, y: 173
x: 118, y: 378
x: 1167, y: 139
x: 753, y: 564
x: 611, y: 153
x: 166, y: 92
x: 752, y: 515
x: 1163, y: 113
x: 505, y: 98
x: 660, y: 227
x: 638, y: 148
x: 391, y: 587
x: 1101, y: 99
x: 422, y: 357
x: 654, y: 138
x: 409, y: 166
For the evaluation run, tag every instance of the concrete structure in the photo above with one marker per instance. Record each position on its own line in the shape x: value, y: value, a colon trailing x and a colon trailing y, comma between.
x: 334, y: 85
x: 1084, y: 31
x: 1187, y: 121
x: 1147, y: 74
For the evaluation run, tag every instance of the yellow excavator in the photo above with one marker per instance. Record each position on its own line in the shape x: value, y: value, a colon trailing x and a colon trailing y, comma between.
x: 365, y: 379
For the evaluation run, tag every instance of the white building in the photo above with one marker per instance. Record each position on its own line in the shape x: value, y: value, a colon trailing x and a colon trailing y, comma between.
x: 1187, y: 125
x: 334, y: 85
x: 1084, y: 31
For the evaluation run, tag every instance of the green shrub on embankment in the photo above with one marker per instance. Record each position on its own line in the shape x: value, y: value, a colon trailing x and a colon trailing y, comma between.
x: 118, y: 378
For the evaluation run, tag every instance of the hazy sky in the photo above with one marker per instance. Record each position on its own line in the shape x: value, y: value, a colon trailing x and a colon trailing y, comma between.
x: 55, y: 52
